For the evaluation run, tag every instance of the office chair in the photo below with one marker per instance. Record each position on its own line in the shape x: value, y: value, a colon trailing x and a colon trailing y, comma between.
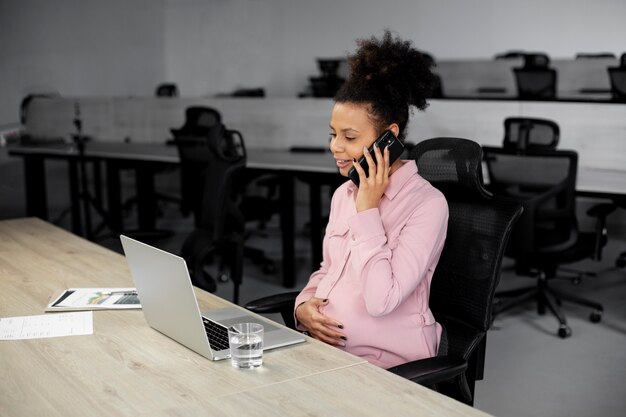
x: 535, y: 81
x: 467, y: 274
x: 219, y: 226
x: 526, y: 132
x: 547, y: 234
x: 203, y: 127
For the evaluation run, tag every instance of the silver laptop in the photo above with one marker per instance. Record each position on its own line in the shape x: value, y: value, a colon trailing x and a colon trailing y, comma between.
x: 170, y: 306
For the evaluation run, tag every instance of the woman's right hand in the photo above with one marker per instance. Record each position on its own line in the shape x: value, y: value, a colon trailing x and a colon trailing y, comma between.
x: 317, y: 324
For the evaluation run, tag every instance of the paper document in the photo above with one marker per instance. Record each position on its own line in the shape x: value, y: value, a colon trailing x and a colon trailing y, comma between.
x: 47, y: 325
x: 95, y: 299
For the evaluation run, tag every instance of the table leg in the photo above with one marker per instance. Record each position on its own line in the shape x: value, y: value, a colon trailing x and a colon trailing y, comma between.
x: 75, y: 208
x: 114, y: 205
x: 287, y: 217
x: 35, y: 182
x: 146, y: 198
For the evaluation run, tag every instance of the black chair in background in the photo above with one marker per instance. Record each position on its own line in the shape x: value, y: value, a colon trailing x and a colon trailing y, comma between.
x: 526, y: 132
x: 199, y: 121
x: 467, y: 274
x: 547, y: 234
x: 617, y: 77
x: 535, y: 80
x: 203, y: 125
x: 166, y: 90
x: 220, y: 225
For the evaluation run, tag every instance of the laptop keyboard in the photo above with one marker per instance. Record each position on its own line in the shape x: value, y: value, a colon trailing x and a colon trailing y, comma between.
x: 217, y: 334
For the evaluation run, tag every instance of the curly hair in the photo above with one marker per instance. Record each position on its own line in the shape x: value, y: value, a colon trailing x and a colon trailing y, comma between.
x: 389, y: 76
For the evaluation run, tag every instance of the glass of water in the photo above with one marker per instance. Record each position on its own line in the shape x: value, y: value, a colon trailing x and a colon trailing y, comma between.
x: 246, y: 345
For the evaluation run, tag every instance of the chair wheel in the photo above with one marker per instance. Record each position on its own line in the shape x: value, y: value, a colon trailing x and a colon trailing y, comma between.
x: 223, y: 277
x: 564, y: 331
x: 595, y: 317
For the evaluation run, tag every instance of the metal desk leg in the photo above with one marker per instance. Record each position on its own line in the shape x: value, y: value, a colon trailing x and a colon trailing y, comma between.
x: 287, y: 218
x: 146, y: 198
x: 114, y: 205
x: 75, y: 207
x: 35, y: 182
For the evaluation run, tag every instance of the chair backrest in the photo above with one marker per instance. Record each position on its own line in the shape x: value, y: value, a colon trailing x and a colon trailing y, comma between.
x: 468, y: 271
x: 203, y: 158
x: 544, y: 181
x: 535, y: 83
x: 207, y: 181
x: 523, y: 133
x: 199, y: 120
x: 536, y: 60
x: 617, y: 77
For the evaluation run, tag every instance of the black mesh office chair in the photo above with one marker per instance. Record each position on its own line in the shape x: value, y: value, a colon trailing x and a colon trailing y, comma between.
x: 547, y: 234
x: 198, y: 123
x: 526, y: 132
x: 466, y: 276
x: 617, y: 77
x: 219, y: 222
x: 535, y: 80
x: 203, y: 127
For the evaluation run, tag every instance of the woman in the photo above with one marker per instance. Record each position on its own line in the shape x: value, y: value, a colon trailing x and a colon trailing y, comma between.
x: 384, y: 237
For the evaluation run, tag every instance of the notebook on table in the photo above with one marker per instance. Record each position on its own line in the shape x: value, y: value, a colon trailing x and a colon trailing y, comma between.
x: 170, y: 306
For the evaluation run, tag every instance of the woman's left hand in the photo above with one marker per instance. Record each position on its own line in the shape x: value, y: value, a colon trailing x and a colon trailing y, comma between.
x: 371, y: 187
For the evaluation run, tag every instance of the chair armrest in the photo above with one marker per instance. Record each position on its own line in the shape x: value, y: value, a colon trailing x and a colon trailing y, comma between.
x: 601, y: 210
x: 431, y: 371
x: 274, y: 303
x: 280, y: 303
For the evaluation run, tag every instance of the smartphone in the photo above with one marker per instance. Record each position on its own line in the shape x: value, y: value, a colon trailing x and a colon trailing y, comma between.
x: 386, y: 140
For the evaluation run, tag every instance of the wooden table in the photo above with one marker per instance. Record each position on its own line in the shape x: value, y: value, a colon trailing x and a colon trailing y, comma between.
x: 128, y: 369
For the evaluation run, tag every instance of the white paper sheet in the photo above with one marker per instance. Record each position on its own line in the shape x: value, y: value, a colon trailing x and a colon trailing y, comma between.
x: 48, y: 325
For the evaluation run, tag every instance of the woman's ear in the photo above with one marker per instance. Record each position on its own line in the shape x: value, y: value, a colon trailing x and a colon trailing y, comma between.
x: 395, y: 129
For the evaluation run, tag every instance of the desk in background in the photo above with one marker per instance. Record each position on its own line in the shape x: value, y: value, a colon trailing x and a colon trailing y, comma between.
x: 145, y: 159
x: 128, y: 369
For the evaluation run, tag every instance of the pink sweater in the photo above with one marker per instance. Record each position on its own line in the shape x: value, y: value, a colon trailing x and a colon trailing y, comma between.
x: 377, y: 268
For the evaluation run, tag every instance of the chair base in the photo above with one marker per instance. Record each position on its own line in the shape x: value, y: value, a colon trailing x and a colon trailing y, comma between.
x: 547, y: 298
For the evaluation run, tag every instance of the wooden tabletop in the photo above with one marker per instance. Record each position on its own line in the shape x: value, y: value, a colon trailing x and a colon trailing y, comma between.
x: 127, y: 369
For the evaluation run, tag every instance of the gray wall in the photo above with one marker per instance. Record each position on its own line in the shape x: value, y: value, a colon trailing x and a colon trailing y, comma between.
x: 120, y: 48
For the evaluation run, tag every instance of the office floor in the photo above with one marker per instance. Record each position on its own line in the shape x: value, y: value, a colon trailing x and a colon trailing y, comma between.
x: 529, y: 371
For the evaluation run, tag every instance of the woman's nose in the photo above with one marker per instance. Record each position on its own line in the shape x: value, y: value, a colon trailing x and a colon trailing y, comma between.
x: 335, y: 144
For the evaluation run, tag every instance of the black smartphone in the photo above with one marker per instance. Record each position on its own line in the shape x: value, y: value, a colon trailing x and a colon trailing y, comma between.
x: 386, y: 140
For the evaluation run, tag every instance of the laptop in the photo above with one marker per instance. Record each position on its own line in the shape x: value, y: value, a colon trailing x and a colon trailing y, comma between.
x: 169, y: 304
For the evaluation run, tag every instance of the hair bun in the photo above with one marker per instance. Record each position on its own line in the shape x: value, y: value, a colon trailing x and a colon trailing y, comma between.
x: 392, y: 67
